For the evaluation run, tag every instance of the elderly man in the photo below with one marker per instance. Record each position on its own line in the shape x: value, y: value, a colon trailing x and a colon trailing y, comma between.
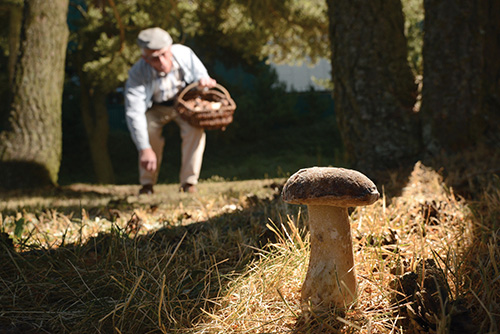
x: 153, y: 83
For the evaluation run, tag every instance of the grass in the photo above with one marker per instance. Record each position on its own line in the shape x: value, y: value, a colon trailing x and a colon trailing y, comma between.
x: 231, y: 259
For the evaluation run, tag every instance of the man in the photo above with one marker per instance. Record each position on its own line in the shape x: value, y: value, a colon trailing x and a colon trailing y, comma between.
x: 153, y: 83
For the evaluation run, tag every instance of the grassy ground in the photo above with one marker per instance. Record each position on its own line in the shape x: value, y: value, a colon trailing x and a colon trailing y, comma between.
x: 231, y: 259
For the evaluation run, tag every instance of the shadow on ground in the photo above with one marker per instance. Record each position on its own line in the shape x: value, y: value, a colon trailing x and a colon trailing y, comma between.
x: 128, y: 282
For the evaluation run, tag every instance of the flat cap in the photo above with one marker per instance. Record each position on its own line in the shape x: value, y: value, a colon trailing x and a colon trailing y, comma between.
x: 330, y: 186
x: 154, y: 39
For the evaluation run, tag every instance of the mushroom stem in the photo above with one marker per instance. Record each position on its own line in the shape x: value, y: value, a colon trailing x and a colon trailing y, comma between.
x: 330, y: 278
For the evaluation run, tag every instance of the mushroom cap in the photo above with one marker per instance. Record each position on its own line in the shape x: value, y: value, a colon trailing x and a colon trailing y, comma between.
x: 330, y: 186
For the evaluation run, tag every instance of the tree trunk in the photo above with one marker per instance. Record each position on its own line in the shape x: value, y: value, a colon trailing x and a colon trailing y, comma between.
x: 15, y: 21
x: 31, y: 142
x: 491, y: 72
x: 95, y: 120
x: 374, y: 89
x: 457, y: 60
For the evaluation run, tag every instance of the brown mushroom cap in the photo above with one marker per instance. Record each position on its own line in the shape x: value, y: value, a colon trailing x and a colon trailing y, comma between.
x: 330, y: 186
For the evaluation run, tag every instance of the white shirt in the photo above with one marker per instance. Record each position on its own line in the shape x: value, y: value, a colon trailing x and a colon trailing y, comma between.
x: 141, y: 85
x: 167, y: 85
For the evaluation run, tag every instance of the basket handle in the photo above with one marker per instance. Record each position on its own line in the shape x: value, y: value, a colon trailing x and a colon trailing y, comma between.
x: 194, y: 84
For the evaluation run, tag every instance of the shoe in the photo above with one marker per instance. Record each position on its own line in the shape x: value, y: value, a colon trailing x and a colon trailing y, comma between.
x: 146, y: 189
x: 188, y: 188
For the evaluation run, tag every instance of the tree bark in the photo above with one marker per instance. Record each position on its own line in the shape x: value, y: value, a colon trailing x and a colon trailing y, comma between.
x: 95, y: 120
x: 31, y: 142
x: 374, y: 88
x: 454, y: 68
x: 15, y: 21
x: 491, y: 72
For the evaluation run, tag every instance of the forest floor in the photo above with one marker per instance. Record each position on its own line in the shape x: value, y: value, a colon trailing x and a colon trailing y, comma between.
x: 88, y: 258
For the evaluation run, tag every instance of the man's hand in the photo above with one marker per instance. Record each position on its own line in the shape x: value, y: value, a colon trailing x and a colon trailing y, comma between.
x: 147, y: 158
x: 207, y: 82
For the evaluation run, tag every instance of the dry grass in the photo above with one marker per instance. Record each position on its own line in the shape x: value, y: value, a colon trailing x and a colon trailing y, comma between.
x: 426, y: 222
x: 232, y: 259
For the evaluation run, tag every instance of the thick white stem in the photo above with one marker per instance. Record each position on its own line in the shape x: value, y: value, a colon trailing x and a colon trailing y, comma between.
x: 330, y: 279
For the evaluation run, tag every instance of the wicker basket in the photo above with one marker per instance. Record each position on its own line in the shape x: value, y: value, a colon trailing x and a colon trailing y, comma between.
x: 210, y: 109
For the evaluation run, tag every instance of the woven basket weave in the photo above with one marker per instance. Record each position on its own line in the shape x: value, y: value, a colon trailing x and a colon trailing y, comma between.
x: 207, y: 119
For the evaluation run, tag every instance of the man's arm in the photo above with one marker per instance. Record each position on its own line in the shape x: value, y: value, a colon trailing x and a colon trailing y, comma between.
x: 194, y: 70
x: 136, y: 104
x: 207, y: 82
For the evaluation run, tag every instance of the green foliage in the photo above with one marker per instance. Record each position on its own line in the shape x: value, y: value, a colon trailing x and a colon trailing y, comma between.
x: 18, y: 231
x: 414, y: 31
x: 274, y: 132
x: 285, y: 31
x: 234, y: 32
x: 103, y: 54
x: 4, y: 29
x: 289, y: 31
x: 265, y: 105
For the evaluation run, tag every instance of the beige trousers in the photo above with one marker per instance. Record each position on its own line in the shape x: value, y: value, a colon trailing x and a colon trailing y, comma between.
x: 192, y: 146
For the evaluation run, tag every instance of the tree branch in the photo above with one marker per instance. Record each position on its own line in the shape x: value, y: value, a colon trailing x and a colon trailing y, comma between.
x: 120, y: 24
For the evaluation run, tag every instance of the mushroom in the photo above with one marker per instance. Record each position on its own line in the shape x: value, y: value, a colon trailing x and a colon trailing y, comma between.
x: 328, y: 192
